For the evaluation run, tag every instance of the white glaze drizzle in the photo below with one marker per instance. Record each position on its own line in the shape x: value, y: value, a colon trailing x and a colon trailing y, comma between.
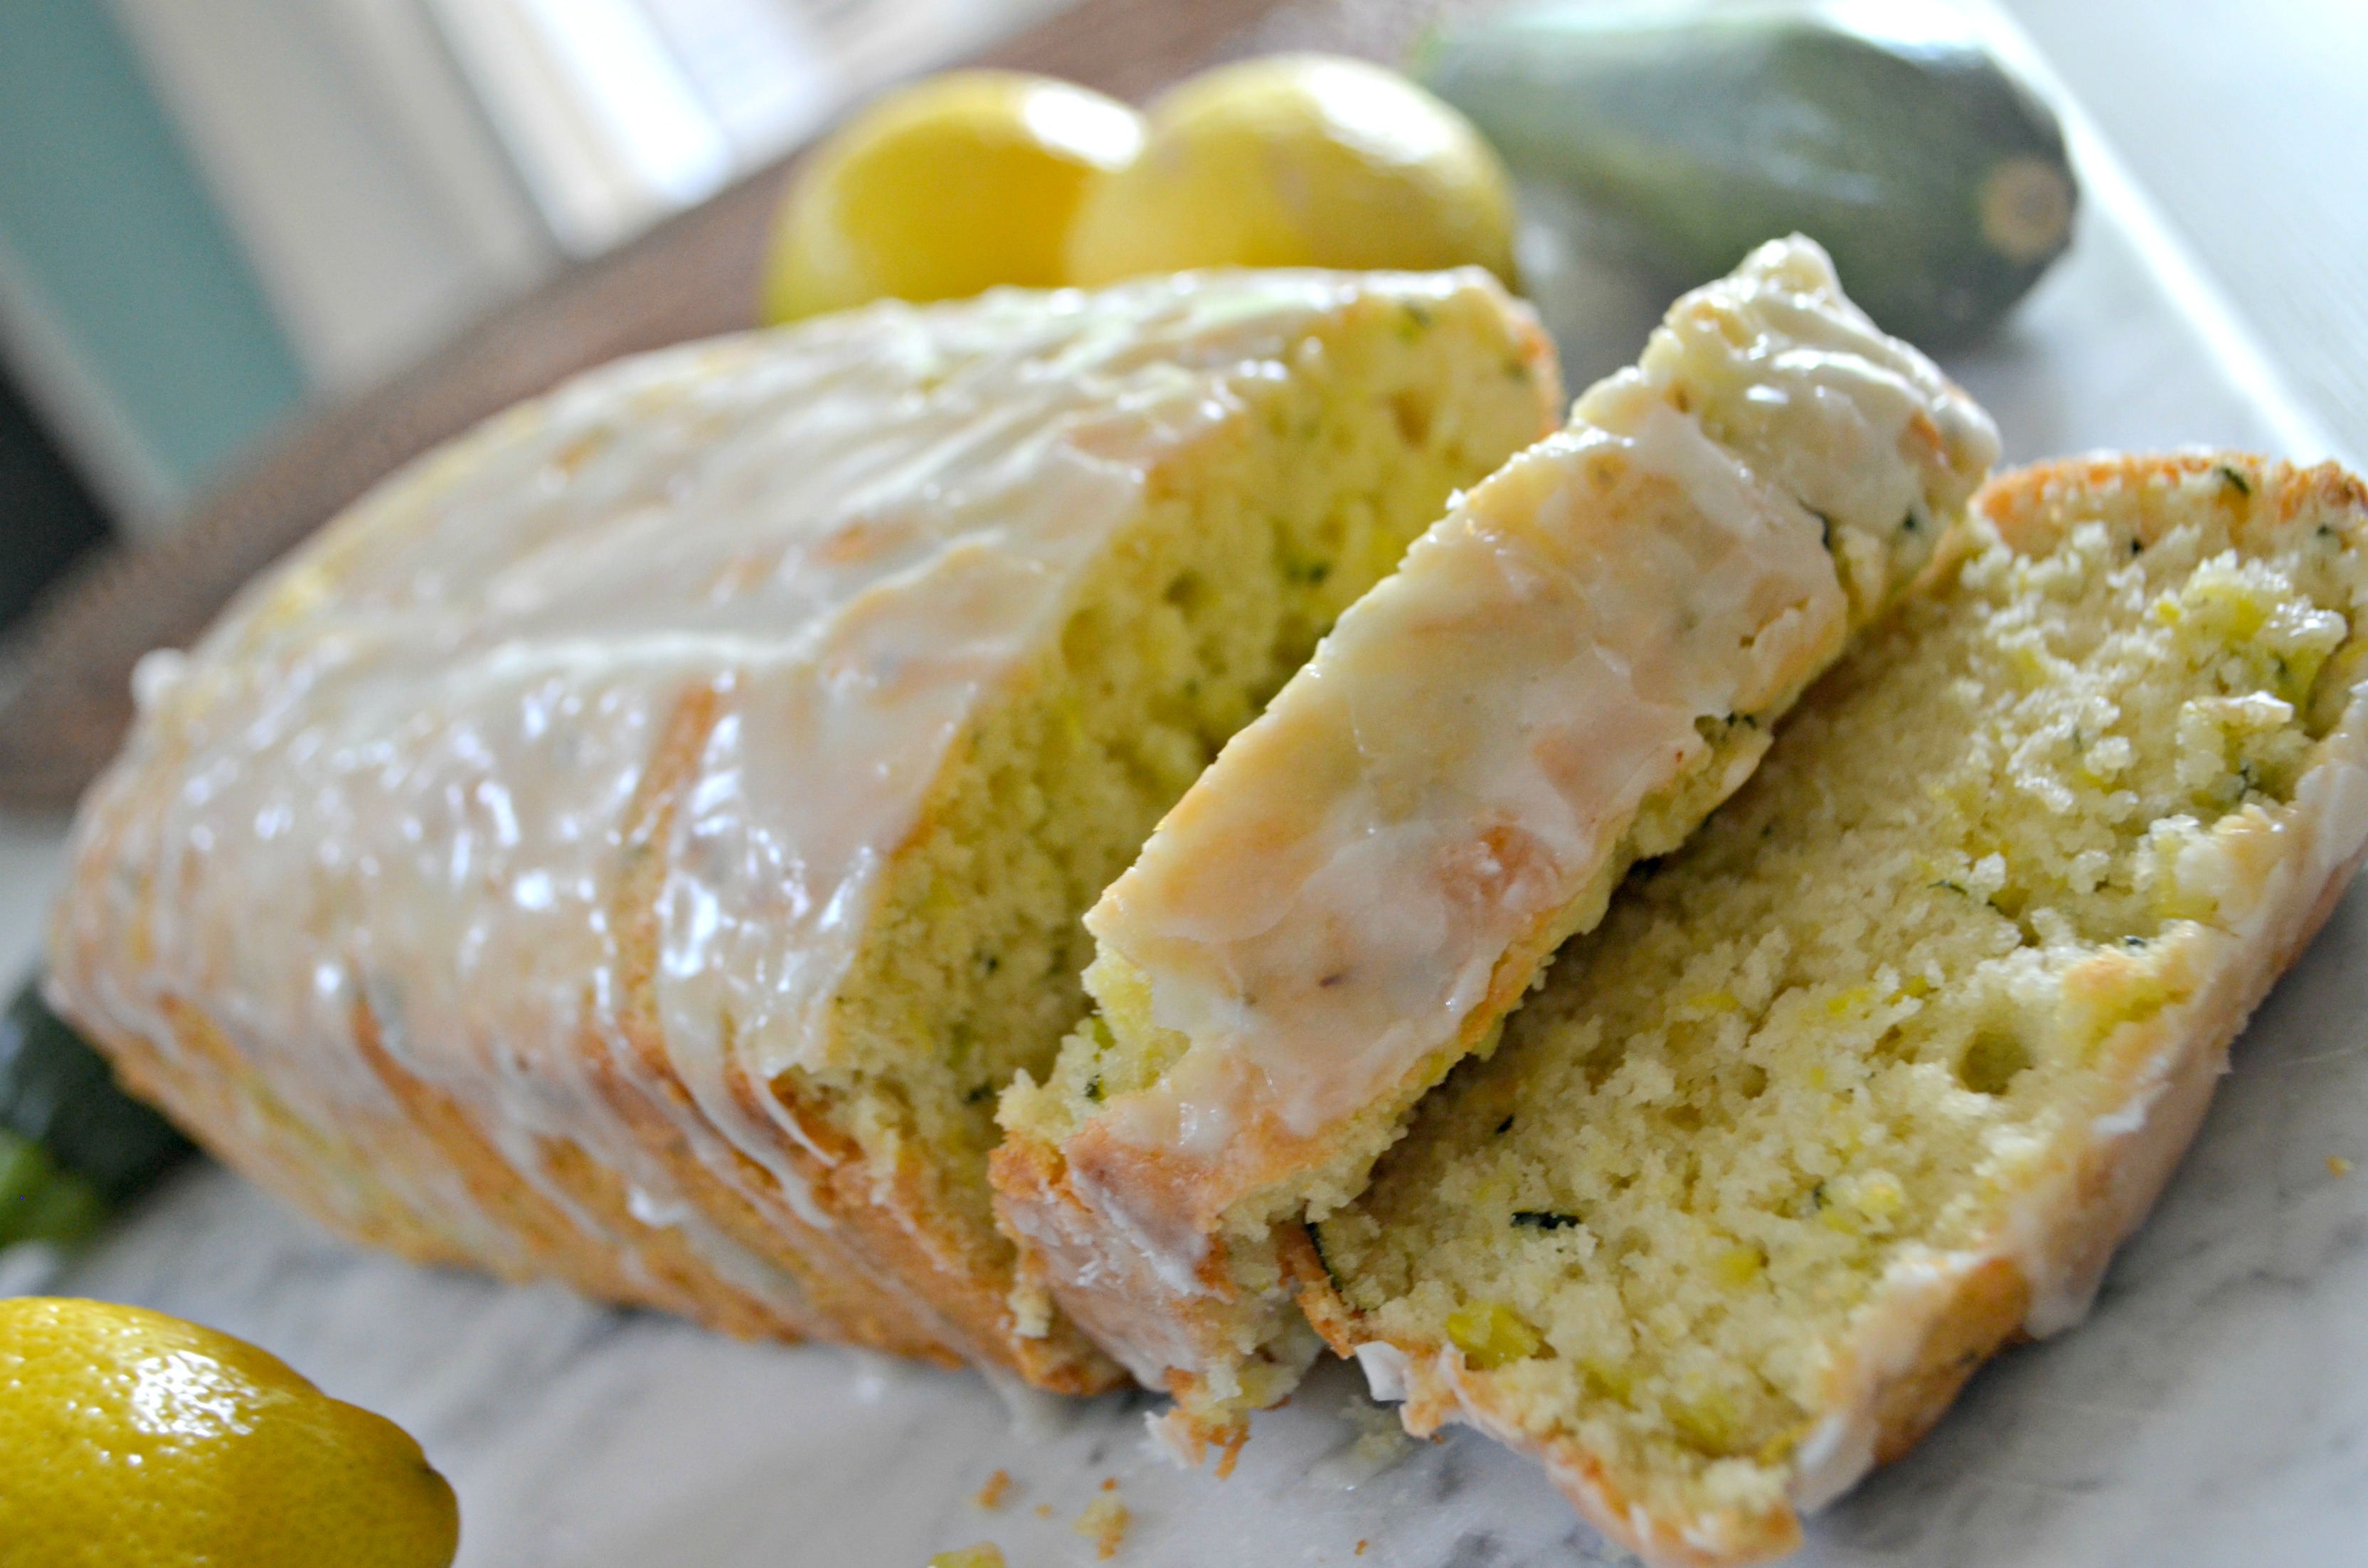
x: 1329, y: 903
x: 400, y: 767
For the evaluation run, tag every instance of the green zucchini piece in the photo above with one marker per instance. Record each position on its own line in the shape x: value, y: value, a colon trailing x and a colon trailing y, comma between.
x: 73, y: 1145
x: 40, y: 1202
x: 1935, y: 178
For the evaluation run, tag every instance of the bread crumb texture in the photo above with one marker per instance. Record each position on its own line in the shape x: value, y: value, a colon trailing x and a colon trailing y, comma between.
x: 985, y: 1554
x: 1836, y: 1028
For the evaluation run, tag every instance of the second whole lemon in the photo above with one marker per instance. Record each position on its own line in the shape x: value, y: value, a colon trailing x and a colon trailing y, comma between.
x: 1299, y: 160
x: 942, y: 190
x: 135, y: 1440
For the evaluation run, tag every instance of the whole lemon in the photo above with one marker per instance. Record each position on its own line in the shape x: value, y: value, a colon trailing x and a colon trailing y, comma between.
x: 952, y: 185
x: 136, y: 1440
x: 1299, y: 160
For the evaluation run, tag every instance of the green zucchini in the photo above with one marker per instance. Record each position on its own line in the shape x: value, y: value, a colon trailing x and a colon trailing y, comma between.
x: 1935, y: 178
x: 73, y: 1145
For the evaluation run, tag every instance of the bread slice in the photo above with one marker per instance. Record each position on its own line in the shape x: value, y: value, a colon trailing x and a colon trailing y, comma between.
x: 1875, y: 1075
x: 1573, y: 667
x: 638, y: 842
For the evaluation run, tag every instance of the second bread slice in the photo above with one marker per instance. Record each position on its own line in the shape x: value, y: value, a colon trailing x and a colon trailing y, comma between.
x: 1875, y: 1074
x: 1567, y: 673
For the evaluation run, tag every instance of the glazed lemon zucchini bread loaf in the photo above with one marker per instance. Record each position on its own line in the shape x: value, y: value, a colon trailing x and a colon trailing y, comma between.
x: 638, y: 842
x: 1568, y: 673
x: 1875, y: 1073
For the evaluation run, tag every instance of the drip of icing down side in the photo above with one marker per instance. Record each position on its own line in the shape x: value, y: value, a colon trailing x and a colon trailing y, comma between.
x: 1530, y: 685
x: 1330, y: 903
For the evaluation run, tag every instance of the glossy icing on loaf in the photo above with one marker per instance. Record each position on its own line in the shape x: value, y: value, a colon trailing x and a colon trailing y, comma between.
x: 396, y: 781
x: 1332, y: 901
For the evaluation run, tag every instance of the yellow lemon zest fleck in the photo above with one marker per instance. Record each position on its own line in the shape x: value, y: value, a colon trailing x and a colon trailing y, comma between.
x: 1849, y: 1001
x: 1707, y: 1420
x: 1490, y: 1333
x: 1736, y: 1266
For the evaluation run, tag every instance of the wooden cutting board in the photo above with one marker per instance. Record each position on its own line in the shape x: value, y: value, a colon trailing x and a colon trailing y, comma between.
x: 693, y: 276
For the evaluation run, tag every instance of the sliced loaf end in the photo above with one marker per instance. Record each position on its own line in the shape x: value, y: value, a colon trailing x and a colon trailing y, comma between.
x: 1570, y: 670
x: 1876, y: 1072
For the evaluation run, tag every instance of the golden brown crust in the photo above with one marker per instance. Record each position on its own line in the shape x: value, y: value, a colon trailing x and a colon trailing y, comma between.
x: 351, y: 1185
x: 1986, y: 1313
x: 1062, y: 1239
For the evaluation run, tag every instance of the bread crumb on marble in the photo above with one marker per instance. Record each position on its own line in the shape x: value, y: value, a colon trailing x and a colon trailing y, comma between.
x: 1104, y: 1522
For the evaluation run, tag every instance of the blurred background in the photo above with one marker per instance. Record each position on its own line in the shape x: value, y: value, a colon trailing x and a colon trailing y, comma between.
x: 214, y: 214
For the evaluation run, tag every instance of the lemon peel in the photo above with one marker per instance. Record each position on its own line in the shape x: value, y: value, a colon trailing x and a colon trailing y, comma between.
x: 1299, y: 160
x: 942, y: 190
x: 136, y: 1440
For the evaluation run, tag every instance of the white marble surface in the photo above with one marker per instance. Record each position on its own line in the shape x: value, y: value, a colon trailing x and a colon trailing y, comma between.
x: 31, y: 858
x: 2246, y: 120
x: 2214, y: 1411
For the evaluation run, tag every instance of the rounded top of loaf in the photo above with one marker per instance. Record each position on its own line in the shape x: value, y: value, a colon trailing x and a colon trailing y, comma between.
x: 830, y: 543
